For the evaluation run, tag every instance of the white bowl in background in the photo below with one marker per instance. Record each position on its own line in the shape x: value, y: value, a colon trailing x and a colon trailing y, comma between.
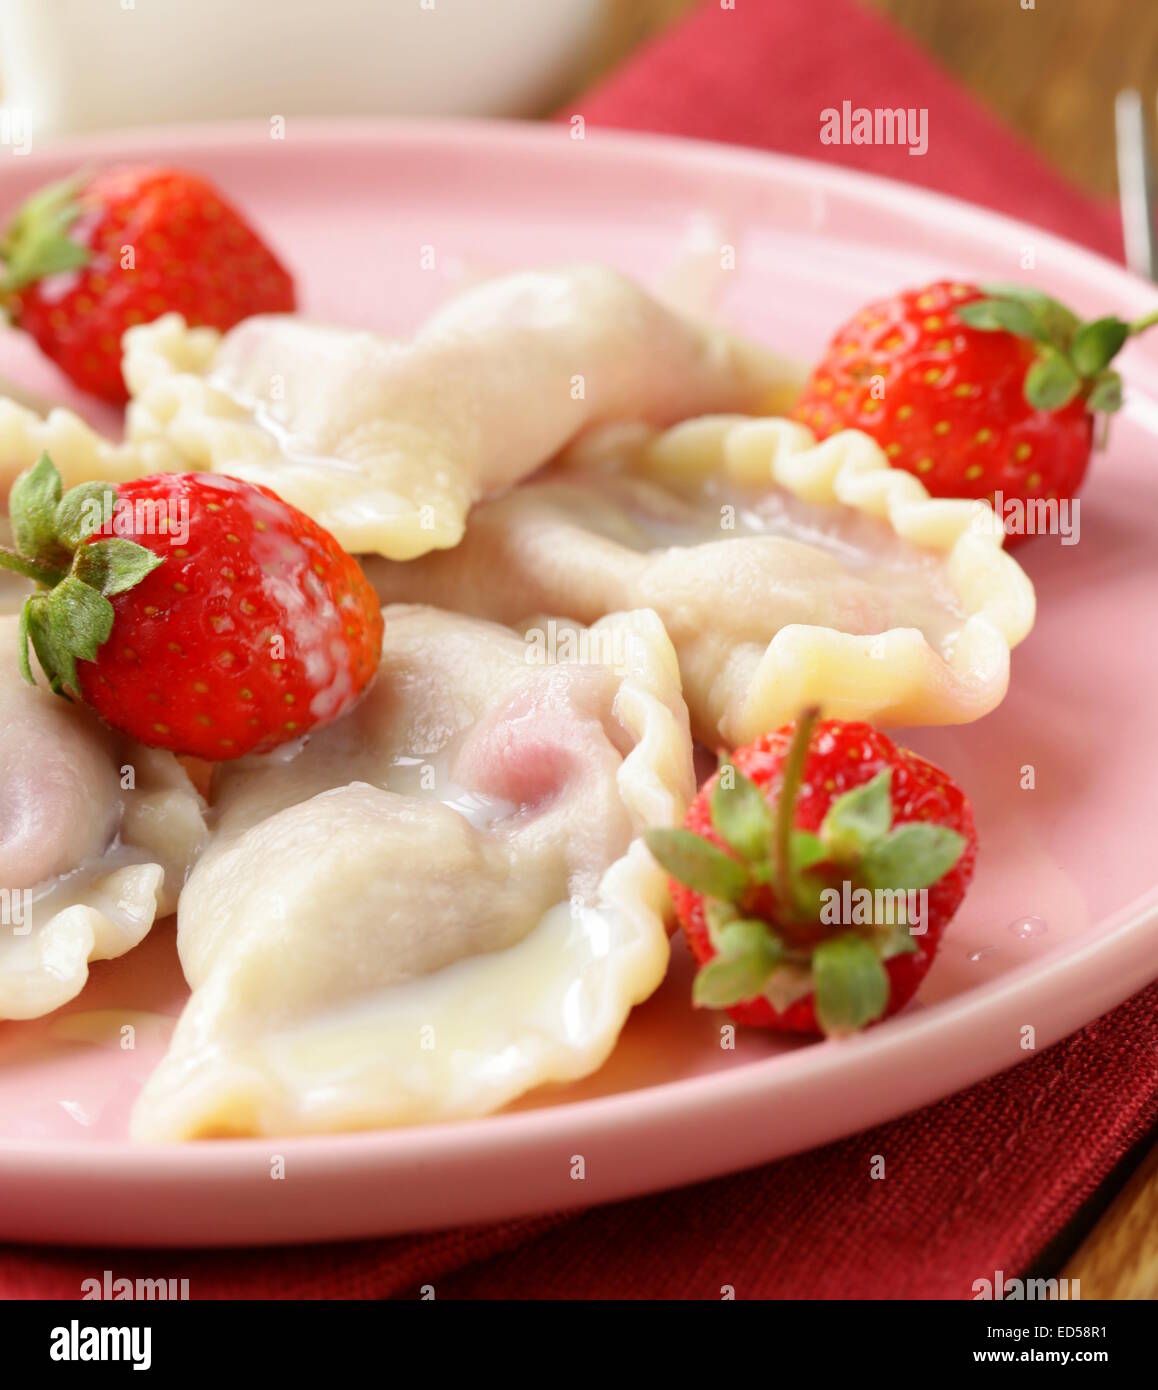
x: 75, y: 65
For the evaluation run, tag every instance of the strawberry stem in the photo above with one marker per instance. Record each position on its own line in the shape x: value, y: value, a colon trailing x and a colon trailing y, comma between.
x: 1147, y: 321
x: 36, y: 243
x: 43, y: 574
x: 792, y: 773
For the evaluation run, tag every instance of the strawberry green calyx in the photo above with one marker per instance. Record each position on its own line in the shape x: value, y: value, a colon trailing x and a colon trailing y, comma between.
x: 36, y: 242
x: 764, y: 896
x: 1072, y: 358
x: 70, y: 616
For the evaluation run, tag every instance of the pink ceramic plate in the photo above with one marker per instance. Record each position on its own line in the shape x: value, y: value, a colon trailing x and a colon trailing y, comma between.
x: 1062, y: 919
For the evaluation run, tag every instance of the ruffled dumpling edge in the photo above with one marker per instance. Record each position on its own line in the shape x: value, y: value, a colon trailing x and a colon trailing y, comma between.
x: 161, y: 832
x: 895, y: 677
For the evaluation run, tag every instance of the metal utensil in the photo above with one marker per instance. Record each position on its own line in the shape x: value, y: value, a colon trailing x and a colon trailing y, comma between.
x: 1135, y: 184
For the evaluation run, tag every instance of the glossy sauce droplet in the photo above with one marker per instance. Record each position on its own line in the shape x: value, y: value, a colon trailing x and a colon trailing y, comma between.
x: 1026, y: 927
x: 983, y: 954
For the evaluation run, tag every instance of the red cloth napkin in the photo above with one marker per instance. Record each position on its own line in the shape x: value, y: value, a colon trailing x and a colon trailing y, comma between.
x: 762, y: 73
x: 981, y: 1182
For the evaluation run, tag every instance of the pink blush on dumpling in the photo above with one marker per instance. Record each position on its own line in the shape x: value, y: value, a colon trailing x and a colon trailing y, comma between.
x: 61, y: 794
x: 535, y: 747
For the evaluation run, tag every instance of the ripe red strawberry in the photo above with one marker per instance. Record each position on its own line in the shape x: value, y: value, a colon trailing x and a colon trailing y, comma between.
x: 975, y: 392
x: 192, y: 611
x: 87, y: 258
x: 797, y: 876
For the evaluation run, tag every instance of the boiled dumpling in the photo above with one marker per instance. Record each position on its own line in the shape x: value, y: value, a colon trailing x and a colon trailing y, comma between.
x: 387, y: 444
x: 440, y: 901
x: 786, y: 572
x: 96, y: 835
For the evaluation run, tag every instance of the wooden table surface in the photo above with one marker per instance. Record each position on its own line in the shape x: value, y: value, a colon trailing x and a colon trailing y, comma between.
x: 1050, y: 72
